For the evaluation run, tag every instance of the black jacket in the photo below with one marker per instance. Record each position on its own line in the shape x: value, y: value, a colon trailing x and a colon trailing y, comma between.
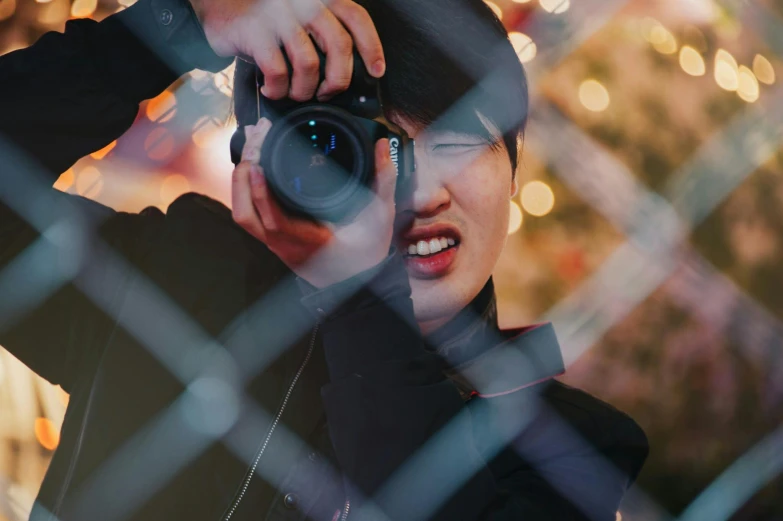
x: 203, y: 387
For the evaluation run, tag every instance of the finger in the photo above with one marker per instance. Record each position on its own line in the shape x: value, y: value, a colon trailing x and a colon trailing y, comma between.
x: 242, y: 209
x: 276, y: 220
x: 271, y: 215
x: 304, y: 60
x: 335, y: 41
x: 386, y: 172
x: 358, y: 22
x: 274, y: 69
x: 254, y: 140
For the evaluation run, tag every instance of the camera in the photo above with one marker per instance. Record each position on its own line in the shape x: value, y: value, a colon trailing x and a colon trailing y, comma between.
x: 318, y: 158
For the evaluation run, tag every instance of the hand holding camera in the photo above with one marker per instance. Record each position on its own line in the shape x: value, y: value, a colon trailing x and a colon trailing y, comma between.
x: 255, y: 30
x: 321, y: 253
x: 316, y: 181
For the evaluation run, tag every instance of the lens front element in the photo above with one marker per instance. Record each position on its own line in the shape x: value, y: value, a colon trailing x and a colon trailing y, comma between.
x: 319, y: 159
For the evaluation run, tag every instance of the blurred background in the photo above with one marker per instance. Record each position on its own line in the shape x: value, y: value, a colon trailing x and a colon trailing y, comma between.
x: 649, y: 228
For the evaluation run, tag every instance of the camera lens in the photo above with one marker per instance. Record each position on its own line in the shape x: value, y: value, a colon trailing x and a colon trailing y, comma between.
x: 318, y: 161
x: 319, y: 157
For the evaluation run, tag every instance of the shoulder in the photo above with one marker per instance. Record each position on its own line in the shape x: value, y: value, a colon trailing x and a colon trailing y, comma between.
x: 597, y: 420
x: 202, y: 214
x: 207, y: 226
x: 598, y: 425
x: 198, y: 240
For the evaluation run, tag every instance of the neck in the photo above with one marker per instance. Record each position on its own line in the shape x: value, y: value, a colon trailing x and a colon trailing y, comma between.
x: 458, y: 337
x: 427, y: 327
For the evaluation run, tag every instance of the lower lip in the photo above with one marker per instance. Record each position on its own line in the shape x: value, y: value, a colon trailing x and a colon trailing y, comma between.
x: 433, y: 266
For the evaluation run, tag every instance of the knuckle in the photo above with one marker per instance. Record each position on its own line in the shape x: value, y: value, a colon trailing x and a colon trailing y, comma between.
x: 338, y: 83
x: 275, y: 74
x: 355, y: 14
x: 309, y: 63
x: 343, y: 44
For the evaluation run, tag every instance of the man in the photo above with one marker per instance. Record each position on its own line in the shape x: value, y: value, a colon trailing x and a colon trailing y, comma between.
x: 206, y: 382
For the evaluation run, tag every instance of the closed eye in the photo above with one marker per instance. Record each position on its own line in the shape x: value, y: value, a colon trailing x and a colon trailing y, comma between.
x: 456, y: 146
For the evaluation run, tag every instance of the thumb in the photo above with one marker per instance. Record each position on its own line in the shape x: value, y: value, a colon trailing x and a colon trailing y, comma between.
x: 385, y: 171
x: 254, y: 138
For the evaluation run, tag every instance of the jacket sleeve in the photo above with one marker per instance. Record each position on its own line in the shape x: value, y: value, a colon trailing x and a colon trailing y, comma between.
x: 64, y: 97
x: 73, y: 93
x: 388, y: 400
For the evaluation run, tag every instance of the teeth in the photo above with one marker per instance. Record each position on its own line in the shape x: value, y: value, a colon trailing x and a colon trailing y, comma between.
x: 431, y: 246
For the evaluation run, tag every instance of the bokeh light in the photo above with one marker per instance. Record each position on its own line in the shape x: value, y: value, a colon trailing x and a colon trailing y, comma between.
x: 159, y: 144
x: 593, y: 95
x: 524, y: 46
x: 537, y: 198
x: 555, y: 6
x: 726, y: 70
x: 634, y: 100
x: 224, y: 80
x: 89, y: 182
x: 763, y: 70
x: 83, y: 8
x: 691, y: 61
x: 65, y: 181
x: 100, y: 154
x: 663, y: 40
x: 747, y: 85
x: 495, y: 8
x: 46, y: 433
x: 172, y: 187
x: 515, y: 218
x: 52, y: 14
x: 162, y: 107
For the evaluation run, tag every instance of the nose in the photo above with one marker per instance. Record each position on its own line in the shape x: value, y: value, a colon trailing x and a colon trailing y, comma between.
x: 429, y: 195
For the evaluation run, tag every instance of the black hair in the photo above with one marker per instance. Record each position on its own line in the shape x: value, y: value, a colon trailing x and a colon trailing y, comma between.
x: 446, y: 62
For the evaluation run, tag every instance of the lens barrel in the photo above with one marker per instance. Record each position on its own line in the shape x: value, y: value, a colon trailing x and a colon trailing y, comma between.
x: 319, y: 158
x: 319, y: 161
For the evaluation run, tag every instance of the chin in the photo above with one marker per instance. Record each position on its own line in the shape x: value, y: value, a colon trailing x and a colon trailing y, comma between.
x: 437, y: 300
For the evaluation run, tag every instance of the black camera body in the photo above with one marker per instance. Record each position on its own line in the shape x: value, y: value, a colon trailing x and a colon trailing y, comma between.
x: 318, y: 158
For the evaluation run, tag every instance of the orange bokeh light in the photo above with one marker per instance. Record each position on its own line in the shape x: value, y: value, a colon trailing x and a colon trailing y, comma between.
x: 46, y: 434
x: 100, y: 154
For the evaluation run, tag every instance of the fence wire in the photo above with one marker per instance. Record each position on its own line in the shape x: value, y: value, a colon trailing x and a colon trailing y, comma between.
x: 214, y: 370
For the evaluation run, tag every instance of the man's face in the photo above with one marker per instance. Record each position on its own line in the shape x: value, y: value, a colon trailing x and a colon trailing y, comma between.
x: 461, y: 201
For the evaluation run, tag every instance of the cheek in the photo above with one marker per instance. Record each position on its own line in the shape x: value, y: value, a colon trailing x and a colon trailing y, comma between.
x: 482, y: 192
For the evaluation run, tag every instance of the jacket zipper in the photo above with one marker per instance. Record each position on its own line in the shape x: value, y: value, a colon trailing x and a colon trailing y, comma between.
x: 252, y: 470
x: 346, y: 509
x: 75, y: 457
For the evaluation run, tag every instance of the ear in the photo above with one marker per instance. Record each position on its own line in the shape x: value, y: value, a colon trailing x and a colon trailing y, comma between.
x: 514, y: 187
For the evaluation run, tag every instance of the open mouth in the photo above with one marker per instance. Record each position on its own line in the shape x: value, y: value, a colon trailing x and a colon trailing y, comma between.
x: 431, y: 258
x: 429, y: 248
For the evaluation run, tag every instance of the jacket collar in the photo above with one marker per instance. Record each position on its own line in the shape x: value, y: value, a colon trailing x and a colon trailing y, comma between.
x: 486, y: 361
